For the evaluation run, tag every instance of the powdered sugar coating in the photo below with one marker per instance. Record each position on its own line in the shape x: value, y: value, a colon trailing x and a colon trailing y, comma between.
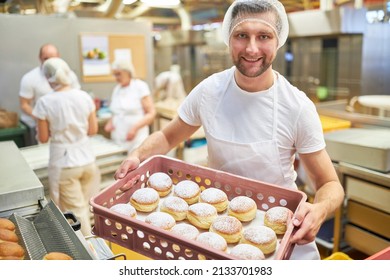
x: 242, y: 204
x: 124, y: 209
x: 277, y: 214
x: 226, y: 225
x: 212, y: 240
x: 201, y: 209
x: 186, y: 189
x: 145, y: 196
x: 160, y: 181
x: 259, y: 235
x: 247, y: 252
x: 186, y: 231
x: 175, y: 204
x: 213, y: 195
x: 161, y: 220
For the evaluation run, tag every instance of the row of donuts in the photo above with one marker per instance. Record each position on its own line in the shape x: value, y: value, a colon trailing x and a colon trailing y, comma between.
x: 201, y: 210
x: 10, y: 248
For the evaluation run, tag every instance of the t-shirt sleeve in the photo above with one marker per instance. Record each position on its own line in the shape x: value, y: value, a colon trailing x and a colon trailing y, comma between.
x: 26, y: 90
x: 189, y: 110
x: 310, y: 136
x: 144, y: 89
x: 39, y: 110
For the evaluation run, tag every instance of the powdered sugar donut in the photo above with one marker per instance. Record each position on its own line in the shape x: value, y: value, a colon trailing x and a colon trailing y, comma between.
x: 261, y: 237
x: 243, y: 208
x: 186, y: 231
x: 228, y: 227
x: 215, y: 197
x: 201, y: 215
x: 247, y: 252
x: 161, y: 182
x: 187, y: 190
x: 212, y: 240
x: 176, y: 207
x: 124, y: 209
x: 145, y: 199
x: 277, y: 218
x: 161, y: 220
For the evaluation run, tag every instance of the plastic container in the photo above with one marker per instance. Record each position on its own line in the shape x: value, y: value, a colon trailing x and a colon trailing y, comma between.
x: 338, y: 256
x: 156, y: 243
x: 16, y: 134
x: 331, y: 124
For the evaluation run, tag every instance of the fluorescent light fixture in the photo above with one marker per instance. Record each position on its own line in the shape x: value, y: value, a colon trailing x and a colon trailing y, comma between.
x: 128, y: 2
x: 162, y: 3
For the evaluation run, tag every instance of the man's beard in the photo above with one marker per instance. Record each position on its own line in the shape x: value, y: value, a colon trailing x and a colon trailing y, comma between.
x: 249, y: 72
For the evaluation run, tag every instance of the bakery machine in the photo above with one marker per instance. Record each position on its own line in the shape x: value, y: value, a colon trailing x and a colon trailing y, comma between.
x: 40, y: 225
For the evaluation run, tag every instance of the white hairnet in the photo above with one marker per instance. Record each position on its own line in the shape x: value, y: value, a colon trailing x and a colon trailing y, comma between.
x: 57, y: 71
x: 256, y: 10
x: 124, y: 65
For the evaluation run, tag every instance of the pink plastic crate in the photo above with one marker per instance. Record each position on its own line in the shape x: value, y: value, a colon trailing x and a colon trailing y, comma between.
x: 156, y: 243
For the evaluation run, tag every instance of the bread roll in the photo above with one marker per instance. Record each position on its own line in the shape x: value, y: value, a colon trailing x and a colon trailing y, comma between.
x: 215, y: 197
x: 276, y: 218
x: 161, y: 182
x: 8, y: 235
x: 228, y: 227
x: 7, y: 224
x: 56, y: 256
x: 186, y: 231
x: 124, y: 209
x: 145, y: 199
x: 11, y: 250
x: 187, y: 190
x: 243, y: 208
x: 201, y: 215
x: 247, y: 252
x: 161, y: 219
x: 176, y: 207
x: 212, y: 240
x: 261, y: 237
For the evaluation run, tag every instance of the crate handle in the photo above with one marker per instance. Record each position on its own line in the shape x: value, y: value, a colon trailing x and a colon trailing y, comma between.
x: 129, y: 184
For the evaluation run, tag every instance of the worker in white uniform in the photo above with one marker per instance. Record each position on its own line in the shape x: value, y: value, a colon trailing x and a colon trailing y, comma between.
x: 67, y: 118
x: 34, y: 85
x: 131, y: 106
x: 255, y: 120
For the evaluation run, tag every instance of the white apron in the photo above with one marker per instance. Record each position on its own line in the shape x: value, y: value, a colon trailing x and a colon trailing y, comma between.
x: 122, y: 124
x: 66, y: 155
x: 257, y: 160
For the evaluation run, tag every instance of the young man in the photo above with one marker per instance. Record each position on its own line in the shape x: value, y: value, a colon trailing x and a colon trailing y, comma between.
x: 255, y: 121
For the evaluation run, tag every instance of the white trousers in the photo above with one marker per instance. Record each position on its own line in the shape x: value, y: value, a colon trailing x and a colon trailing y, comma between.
x: 76, y: 187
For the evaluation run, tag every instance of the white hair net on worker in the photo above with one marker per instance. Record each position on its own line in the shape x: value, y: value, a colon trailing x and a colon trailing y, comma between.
x: 256, y: 10
x: 124, y: 65
x: 57, y: 72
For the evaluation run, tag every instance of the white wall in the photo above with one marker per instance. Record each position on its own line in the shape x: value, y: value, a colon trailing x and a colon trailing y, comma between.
x: 21, y: 37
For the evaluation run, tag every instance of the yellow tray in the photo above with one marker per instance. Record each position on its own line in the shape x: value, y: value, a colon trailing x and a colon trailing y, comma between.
x: 338, y: 256
x: 330, y: 124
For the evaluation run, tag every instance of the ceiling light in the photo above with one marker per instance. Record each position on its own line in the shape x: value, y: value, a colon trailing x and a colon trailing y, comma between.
x: 162, y: 3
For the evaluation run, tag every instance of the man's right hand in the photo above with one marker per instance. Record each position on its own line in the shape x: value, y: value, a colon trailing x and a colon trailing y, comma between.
x: 127, y: 165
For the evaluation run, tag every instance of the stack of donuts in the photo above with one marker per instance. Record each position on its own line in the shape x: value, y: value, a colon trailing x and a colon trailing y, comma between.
x: 207, y: 216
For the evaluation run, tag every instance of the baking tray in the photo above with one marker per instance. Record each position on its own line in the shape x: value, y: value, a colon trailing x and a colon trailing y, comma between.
x: 49, y: 231
x: 156, y: 243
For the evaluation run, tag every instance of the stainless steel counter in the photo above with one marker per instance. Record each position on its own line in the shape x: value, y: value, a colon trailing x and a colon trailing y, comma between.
x: 108, y: 157
x: 20, y: 188
x: 338, y: 109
